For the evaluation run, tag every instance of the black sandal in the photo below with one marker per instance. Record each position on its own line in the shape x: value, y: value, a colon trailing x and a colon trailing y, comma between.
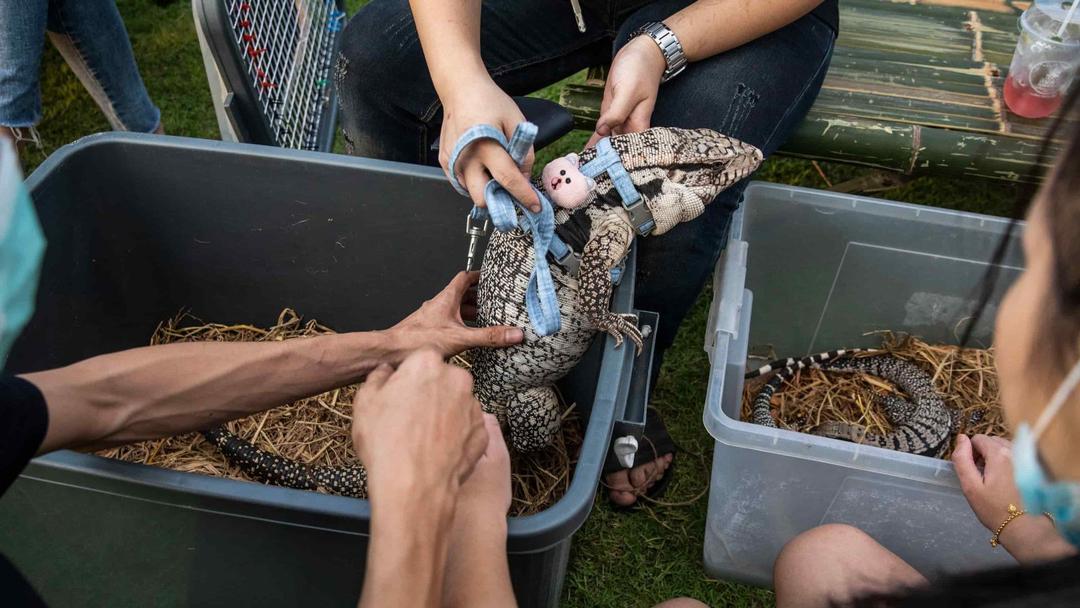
x: 656, y: 443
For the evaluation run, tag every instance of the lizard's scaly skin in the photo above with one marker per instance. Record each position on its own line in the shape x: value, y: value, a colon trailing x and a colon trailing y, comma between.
x: 922, y: 425
x: 677, y: 172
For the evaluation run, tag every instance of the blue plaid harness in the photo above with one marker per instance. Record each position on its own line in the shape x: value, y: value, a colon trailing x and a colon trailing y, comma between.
x: 501, y: 209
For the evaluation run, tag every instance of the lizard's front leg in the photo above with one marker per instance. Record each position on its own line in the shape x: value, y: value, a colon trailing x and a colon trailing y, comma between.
x: 606, y: 249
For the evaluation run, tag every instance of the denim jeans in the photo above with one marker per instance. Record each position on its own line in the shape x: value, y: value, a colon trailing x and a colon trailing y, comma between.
x: 91, y: 37
x: 758, y: 92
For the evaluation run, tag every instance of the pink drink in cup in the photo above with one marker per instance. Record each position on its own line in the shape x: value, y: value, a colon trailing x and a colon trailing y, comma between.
x: 1046, y: 58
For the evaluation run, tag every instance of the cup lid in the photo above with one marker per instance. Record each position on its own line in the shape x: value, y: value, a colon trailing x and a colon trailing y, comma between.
x: 1045, y: 18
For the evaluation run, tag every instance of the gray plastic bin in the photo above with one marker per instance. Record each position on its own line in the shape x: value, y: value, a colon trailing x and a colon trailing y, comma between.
x: 140, y: 227
x: 820, y: 270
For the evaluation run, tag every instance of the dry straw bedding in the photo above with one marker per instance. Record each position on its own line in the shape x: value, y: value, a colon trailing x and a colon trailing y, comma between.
x: 316, y: 430
x: 965, y: 378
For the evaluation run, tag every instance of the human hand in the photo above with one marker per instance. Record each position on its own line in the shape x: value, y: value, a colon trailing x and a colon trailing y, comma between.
x: 482, y: 160
x: 477, y: 573
x: 631, y: 89
x: 418, y: 430
x: 485, y: 495
x: 439, y: 323
x: 990, y: 491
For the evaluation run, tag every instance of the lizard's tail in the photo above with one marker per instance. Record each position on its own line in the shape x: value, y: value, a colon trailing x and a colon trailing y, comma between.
x: 792, y: 364
x: 272, y: 469
x: 761, y: 408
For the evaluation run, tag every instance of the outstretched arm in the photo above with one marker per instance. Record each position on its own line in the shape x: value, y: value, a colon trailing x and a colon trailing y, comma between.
x: 158, y: 391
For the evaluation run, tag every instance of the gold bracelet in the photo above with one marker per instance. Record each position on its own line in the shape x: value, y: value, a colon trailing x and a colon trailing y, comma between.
x: 1013, y: 514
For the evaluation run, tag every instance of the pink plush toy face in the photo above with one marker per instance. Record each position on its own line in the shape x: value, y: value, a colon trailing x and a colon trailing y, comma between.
x: 564, y: 184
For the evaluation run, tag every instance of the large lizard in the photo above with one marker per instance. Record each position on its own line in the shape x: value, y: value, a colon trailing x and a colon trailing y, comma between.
x: 922, y: 425
x: 676, y: 172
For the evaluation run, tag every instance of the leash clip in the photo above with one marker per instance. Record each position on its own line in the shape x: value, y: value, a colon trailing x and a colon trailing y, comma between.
x: 476, y: 229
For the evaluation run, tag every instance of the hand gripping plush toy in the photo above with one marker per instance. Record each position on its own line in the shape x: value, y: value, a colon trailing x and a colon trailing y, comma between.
x: 675, y: 173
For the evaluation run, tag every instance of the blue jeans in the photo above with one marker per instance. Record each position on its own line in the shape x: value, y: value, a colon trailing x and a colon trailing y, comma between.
x: 758, y: 92
x: 91, y: 37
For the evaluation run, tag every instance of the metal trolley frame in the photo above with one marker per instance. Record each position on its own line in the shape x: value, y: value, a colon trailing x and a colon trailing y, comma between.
x: 269, y: 65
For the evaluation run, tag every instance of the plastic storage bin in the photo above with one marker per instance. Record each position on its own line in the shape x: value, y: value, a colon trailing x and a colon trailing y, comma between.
x: 140, y: 227
x: 820, y: 270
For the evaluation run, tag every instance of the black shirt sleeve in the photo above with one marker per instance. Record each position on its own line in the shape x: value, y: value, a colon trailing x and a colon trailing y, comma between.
x: 23, y: 421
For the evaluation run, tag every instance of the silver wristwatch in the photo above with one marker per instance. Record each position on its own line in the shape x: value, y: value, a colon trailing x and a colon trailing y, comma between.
x: 669, y: 45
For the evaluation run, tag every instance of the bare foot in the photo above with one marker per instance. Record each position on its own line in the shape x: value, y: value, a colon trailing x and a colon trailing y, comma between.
x: 627, y: 485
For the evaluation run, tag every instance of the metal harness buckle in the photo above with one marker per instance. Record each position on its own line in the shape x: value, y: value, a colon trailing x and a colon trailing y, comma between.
x: 475, y: 231
x: 570, y: 262
x: 641, y: 217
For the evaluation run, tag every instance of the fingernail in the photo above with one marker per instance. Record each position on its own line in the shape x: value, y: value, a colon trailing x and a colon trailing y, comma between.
x: 513, y: 335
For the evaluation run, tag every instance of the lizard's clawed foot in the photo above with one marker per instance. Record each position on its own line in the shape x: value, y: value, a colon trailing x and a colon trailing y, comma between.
x: 620, y: 326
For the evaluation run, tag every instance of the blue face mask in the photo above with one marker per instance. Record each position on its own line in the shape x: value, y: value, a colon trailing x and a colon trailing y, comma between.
x: 21, y: 248
x: 1061, y: 499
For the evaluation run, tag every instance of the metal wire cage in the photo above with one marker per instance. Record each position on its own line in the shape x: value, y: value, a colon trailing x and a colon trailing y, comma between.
x: 269, y: 67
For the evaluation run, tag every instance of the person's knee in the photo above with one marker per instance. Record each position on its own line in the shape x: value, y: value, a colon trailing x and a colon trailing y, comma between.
x: 804, y: 554
x: 836, y: 563
x: 816, y: 543
x: 384, y: 92
x: 373, y: 51
x: 805, y: 572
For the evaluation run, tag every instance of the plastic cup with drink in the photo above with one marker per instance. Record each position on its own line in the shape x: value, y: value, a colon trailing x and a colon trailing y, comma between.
x: 1046, y: 59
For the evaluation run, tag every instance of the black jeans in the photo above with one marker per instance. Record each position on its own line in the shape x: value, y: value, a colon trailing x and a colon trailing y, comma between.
x: 757, y: 92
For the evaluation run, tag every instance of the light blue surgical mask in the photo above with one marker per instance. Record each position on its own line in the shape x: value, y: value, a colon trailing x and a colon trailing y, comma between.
x: 21, y: 248
x: 1061, y: 499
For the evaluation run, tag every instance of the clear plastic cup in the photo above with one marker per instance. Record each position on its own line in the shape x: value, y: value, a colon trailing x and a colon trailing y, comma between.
x: 1046, y: 59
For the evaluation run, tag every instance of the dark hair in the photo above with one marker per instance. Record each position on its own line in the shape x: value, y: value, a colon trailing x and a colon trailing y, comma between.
x: 1061, y: 207
x: 1056, y: 583
x: 1061, y: 192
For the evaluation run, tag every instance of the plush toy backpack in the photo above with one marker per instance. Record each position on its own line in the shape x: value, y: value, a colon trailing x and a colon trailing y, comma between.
x: 636, y: 184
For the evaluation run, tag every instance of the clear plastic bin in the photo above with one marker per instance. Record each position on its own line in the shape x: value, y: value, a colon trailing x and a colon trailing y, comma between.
x: 821, y: 270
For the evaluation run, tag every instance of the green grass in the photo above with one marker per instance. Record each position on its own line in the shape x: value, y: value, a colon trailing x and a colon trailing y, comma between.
x: 618, y: 559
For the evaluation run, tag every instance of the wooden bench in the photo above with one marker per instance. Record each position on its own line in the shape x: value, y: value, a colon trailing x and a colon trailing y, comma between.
x: 914, y: 88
